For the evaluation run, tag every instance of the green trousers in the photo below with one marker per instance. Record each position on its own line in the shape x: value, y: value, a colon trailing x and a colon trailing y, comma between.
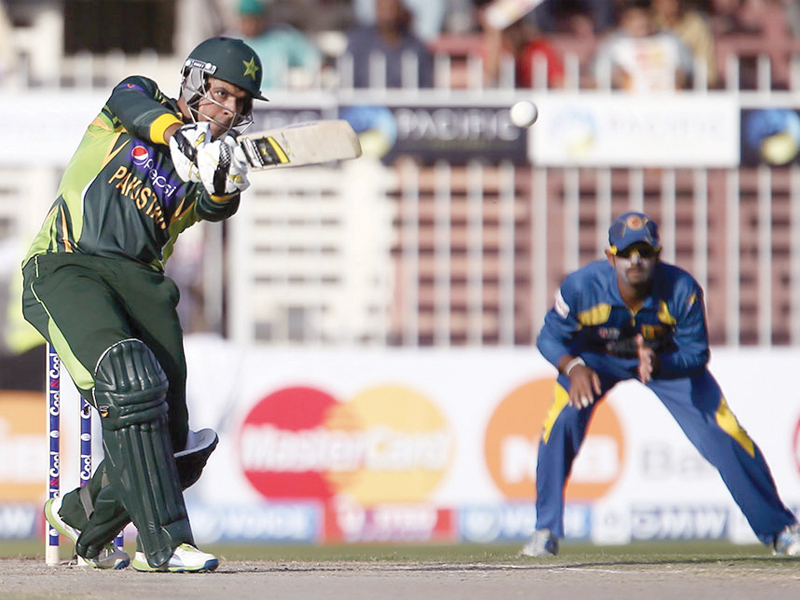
x: 84, y: 304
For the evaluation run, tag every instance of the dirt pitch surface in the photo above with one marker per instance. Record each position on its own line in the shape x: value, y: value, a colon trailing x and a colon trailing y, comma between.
x: 30, y: 579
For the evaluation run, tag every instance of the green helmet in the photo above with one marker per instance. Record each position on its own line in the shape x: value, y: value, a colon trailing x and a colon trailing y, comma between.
x: 227, y: 59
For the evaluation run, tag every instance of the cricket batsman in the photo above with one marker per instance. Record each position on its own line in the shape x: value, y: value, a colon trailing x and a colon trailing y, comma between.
x: 632, y: 316
x: 148, y: 167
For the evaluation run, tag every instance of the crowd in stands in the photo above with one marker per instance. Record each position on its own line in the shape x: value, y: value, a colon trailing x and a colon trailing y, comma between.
x: 636, y: 45
x: 623, y: 44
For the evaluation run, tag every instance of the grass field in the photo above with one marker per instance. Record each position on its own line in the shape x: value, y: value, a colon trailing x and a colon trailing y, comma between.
x: 643, y: 553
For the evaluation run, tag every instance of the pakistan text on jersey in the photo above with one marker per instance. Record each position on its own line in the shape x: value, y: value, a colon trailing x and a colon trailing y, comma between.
x: 143, y: 195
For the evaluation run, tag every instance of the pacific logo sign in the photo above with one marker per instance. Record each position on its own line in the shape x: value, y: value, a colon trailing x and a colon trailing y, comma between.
x: 388, y: 444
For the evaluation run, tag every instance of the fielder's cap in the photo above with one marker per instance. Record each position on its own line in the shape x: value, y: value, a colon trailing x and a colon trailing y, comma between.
x: 630, y: 228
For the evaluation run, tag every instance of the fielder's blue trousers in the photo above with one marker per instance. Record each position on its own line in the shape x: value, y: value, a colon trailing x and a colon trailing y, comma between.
x: 699, y: 407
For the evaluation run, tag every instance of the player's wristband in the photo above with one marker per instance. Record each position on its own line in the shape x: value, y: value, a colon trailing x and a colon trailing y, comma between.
x: 572, y: 364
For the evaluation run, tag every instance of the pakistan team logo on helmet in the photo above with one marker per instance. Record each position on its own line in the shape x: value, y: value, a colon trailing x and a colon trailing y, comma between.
x: 230, y: 60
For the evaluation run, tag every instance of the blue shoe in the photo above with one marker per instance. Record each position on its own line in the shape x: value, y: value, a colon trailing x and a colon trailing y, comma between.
x: 543, y: 543
x: 185, y: 559
x: 110, y: 558
x: 787, y: 542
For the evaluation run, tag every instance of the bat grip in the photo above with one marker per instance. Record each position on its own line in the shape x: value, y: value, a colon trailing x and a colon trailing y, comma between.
x: 223, y: 166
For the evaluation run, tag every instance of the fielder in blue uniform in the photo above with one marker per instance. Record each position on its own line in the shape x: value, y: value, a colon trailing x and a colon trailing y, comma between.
x: 632, y: 316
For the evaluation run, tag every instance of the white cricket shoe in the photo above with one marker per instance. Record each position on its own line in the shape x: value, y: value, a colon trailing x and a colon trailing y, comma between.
x: 110, y: 558
x: 787, y: 542
x: 543, y: 543
x: 186, y: 558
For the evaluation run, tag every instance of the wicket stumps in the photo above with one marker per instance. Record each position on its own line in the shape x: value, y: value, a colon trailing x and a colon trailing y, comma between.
x: 54, y: 437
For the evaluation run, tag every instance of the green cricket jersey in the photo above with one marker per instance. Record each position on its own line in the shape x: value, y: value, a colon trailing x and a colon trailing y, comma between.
x: 120, y: 195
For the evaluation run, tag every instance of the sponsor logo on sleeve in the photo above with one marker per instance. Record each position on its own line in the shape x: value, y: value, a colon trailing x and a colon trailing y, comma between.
x: 560, y: 305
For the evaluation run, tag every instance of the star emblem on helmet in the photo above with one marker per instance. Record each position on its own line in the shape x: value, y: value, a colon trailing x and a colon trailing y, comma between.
x: 250, y: 68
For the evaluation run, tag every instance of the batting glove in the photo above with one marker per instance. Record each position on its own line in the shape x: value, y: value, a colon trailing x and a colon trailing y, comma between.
x: 223, y: 167
x: 183, y: 147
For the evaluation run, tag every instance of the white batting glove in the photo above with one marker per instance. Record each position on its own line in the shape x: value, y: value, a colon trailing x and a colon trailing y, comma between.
x: 183, y: 147
x: 223, y: 167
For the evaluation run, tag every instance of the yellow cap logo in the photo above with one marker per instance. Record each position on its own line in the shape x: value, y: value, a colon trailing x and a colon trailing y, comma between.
x: 634, y: 222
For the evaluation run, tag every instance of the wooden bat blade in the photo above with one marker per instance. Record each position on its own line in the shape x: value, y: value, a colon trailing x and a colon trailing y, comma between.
x: 308, y: 143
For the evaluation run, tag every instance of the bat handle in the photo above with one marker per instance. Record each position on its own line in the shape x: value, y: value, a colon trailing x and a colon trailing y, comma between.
x: 221, y: 172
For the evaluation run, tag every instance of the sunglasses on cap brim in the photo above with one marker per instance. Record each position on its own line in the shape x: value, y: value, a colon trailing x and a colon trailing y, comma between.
x: 644, y: 251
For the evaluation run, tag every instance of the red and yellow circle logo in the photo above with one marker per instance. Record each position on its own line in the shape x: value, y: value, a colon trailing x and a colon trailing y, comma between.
x: 388, y: 444
x: 512, y: 443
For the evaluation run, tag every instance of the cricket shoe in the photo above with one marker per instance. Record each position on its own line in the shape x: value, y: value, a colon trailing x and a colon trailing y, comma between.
x: 110, y: 557
x: 787, y: 542
x: 543, y: 543
x: 185, y: 559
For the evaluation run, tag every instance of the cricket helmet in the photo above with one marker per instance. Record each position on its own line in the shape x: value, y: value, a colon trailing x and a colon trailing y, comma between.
x: 227, y: 59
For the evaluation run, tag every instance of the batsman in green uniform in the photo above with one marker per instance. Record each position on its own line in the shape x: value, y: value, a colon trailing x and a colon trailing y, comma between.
x: 147, y: 168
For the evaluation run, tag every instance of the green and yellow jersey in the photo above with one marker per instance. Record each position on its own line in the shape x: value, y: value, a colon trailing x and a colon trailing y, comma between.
x: 120, y: 195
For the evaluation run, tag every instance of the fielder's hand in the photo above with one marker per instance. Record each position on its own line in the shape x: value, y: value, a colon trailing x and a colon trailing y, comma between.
x: 584, y: 382
x: 223, y: 167
x: 184, y: 145
x: 647, y: 360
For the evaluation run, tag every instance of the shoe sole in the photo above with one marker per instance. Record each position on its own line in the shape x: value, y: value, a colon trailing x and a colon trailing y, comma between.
x: 791, y: 551
x: 146, y: 568
x: 533, y: 555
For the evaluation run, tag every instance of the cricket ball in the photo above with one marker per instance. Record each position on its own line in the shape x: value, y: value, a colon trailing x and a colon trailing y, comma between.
x: 524, y: 113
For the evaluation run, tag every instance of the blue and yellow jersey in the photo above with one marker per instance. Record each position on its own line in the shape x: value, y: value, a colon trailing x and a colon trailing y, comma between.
x: 120, y: 195
x: 590, y: 319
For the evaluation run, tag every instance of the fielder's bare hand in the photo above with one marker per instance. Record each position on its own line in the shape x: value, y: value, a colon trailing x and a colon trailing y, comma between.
x: 584, y: 383
x: 647, y: 359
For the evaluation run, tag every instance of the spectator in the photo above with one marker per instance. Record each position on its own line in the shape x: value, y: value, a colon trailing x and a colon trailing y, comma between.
x: 290, y: 59
x: 569, y: 16
x: 430, y: 18
x: 692, y: 27
x: 793, y: 17
x: 637, y: 58
x: 732, y: 17
x: 524, y: 43
x: 392, y: 39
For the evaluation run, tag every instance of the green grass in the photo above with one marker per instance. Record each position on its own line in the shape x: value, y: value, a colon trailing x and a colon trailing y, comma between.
x: 649, y: 553
x: 571, y: 553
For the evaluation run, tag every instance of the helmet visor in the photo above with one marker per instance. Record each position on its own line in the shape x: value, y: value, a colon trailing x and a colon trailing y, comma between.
x: 196, y: 88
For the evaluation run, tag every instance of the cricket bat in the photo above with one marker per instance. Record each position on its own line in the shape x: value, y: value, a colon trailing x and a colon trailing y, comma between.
x: 308, y: 143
